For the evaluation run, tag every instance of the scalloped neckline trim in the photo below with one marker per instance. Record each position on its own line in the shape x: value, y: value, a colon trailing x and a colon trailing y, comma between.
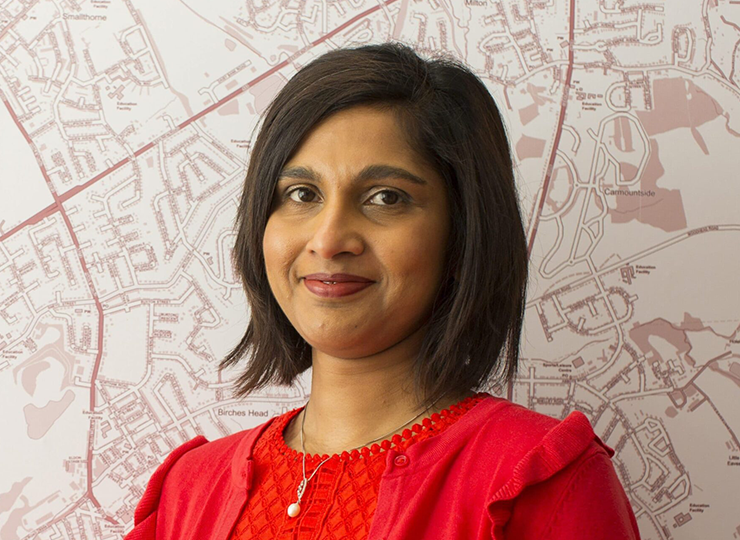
x: 402, y: 440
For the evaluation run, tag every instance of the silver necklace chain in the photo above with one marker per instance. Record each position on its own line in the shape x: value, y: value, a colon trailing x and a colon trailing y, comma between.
x: 295, y: 508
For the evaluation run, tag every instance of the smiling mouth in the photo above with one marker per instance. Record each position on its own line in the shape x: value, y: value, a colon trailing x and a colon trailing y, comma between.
x: 335, y: 289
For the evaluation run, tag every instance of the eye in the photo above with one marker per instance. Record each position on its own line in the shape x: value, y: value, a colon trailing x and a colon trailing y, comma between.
x: 391, y: 197
x: 388, y: 197
x: 301, y: 190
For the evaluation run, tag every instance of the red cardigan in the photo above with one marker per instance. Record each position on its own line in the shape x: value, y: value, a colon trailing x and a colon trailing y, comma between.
x: 500, y: 472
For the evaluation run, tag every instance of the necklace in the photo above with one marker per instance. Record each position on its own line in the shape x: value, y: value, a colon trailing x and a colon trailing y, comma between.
x: 295, y: 508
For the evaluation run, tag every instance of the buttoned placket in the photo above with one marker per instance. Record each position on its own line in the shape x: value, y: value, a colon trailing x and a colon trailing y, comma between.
x: 396, y: 464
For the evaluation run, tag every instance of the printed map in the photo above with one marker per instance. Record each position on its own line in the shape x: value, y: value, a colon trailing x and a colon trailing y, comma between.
x: 125, y: 128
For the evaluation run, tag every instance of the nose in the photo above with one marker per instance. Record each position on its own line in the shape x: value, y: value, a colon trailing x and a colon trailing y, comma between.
x: 335, y: 229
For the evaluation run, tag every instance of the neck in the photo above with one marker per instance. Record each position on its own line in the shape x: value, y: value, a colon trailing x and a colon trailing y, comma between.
x: 356, y: 400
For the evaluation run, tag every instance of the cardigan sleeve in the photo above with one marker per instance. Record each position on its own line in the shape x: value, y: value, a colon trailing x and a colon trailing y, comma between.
x: 145, y: 515
x: 585, y: 500
x: 593, y: 506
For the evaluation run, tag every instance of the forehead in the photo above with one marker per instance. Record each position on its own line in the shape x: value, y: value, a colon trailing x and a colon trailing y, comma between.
x: 352, y: 139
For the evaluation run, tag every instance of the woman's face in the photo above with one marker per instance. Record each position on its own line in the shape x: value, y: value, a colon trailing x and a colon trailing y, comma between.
x: 329, y: 217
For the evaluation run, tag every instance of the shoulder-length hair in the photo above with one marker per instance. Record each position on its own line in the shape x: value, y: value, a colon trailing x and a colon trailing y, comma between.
x: 452, y: 121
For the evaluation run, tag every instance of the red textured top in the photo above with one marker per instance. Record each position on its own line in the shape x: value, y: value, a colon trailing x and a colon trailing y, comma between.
x: 501, y: 472
x: 340, y: 500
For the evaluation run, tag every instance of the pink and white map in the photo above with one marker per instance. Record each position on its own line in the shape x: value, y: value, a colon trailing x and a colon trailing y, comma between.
x: 125, y: 129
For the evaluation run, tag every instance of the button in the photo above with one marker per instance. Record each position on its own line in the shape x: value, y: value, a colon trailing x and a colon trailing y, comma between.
x: 401, y: 460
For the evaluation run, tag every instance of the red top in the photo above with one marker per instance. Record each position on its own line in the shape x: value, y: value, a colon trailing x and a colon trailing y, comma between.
x: 499, y: 472
x: 340, y: 500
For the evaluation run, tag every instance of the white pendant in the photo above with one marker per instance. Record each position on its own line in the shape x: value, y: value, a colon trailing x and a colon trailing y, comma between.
x: 294, y: 509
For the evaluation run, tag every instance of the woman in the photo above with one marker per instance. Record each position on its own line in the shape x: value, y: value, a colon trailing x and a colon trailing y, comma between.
x: 380, y: 242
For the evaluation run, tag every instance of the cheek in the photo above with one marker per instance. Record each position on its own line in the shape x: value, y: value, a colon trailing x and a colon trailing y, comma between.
x: 277, y: 248
x: 417, y: 256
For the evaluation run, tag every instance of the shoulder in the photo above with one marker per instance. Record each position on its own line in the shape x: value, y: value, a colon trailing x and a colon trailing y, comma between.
x: 551, y: 475
x: 210, y: 460
x: 584, y: 499
x: 196, y: 465
x: 149, y: 501
x: 521, y: 433
x: 527, y: 447
x: 526, y: 426
x: 209, y: 452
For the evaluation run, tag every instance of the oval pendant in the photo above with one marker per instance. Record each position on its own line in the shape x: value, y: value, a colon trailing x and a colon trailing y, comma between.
x: 294, y: 509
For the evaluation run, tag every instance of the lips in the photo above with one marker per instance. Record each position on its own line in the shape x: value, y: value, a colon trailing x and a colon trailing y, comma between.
x: 335, y: 285
x: 338, y: 278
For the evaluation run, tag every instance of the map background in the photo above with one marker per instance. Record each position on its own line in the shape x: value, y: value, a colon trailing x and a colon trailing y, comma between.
x: 124, y: 133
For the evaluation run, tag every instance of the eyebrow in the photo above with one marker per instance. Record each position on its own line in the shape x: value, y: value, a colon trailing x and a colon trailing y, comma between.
x: 371, y: 172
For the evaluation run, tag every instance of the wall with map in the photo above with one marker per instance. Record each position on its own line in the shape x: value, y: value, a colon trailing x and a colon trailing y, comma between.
x: 125, y: 129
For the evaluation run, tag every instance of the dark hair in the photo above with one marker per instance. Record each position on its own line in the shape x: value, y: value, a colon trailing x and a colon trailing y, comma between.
x: 452, y: 121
